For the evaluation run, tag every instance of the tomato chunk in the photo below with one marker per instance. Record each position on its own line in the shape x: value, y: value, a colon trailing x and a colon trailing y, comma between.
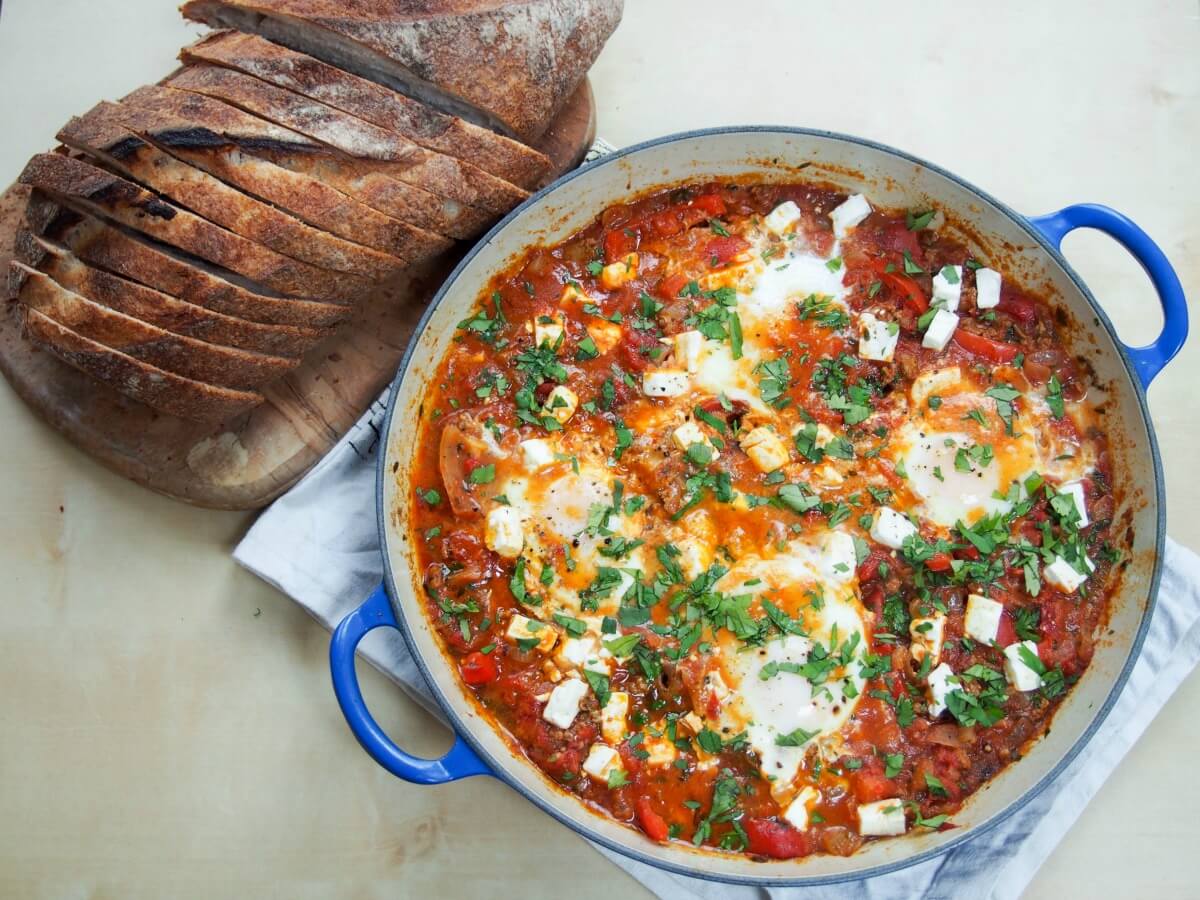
x: 710, y: 204
x: 768, y: 837
x: 871, y: 786
x: 723, y: 250
x: 478, y: 668
x: 1006, y: 633
x: 619, y: 243
x: 1019, y: 308
x: 669, y: 287
x: 985, y: 347
x: 939, y: 562
x: 652, y: 823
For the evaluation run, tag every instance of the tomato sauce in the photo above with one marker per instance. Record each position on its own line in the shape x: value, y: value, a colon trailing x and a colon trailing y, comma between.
x: 622, y: 536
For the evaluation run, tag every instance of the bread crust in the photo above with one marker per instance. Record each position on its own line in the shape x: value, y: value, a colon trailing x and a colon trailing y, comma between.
x: 189, y: 357
x: 310, y: 200
x: 278, y: 65
x: 388, y: 152
x: 80, y: 185
x: 157, y: 388
x: 507, y: 64
x: 100, y: 133
x: 112, y: 250
x: 316, y: 161
x: 173, y: 315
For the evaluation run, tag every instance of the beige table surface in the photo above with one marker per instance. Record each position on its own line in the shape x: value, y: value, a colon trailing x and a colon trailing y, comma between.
x: 167, y: 727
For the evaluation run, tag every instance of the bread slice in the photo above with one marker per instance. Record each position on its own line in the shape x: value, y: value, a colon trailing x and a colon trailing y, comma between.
x: 276, y: 64
x: 506, y: 64
x: 157, y: 388
x: 387, y: 151
x: 109, y: 248
x: 318, y: 162
x: 82, y: 186
x: 308, y: 199
x: 168, y: 313
x: 100, y: 133
x: 191, y: 358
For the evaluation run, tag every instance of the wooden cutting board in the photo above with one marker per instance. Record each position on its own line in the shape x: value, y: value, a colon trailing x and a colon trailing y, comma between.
x: 247, y: 462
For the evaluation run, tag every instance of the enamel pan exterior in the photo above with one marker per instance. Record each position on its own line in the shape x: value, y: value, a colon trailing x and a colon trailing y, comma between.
x: 1026, y: 247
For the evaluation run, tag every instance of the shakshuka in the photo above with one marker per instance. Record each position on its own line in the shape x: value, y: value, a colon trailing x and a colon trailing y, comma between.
x: 763, y: 518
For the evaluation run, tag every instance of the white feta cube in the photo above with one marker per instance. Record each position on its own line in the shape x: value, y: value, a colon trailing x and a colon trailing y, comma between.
x: 613, y: 717
x: 1021, y: 675
x: 573, y: 293
x: 839, y: 557
x: 503, y: 533
x: 561, y: 403
x: 521, y: 628
x: 982, y: 621
x: 947, y: 286
x: 782, y: 217
x: 665, y: 382
x: 940, y: 330
x: 690, y: 433
x: 688, y: 346
x: 987, y: 288
x: 940, y: 686
x: 850, y: 213
x: 584, y: 653
x: 575, y: 651
x: 662, y: 751
x: 829, y: 476
x: 877, y: 338
x: 796, y: 814
x: 890, y: 528
x: 881, y: 818
x: 605, y: 335
x: 563, y: 705
x: 765, y: 449
x: 694, y: 559
x: 602, y: 760
x: 536, y: 453
x: 547, y: 331
x: 1075, y: 490
x: 1064, y: 576
x: 693, y: 723
x: 616, y: 274
x: 927, y: 634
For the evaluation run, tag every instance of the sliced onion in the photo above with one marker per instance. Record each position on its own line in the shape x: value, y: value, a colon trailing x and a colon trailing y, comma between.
x: 950, y: 735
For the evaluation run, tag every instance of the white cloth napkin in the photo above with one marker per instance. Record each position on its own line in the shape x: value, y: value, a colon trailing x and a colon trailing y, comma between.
x: 319, y: 545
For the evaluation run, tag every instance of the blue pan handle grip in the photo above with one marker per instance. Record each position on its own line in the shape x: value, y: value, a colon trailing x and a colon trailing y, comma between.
x: 376, y: 612
x: 1148, y: 361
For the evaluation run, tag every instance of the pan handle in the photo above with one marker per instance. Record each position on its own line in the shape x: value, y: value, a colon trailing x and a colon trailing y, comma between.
x: 376, y: 612
x: 1149, y: 360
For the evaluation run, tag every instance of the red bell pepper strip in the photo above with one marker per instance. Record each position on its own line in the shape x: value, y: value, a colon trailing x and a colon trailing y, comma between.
x: 767, y: 837
x: 985, y: 347
x: 903, y: 286
x: 652, y: 823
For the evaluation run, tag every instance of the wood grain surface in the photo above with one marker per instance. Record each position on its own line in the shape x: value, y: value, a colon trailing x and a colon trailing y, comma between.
x: 247, y: 462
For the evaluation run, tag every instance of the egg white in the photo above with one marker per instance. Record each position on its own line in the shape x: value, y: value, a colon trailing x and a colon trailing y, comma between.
x: 769, y: 708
